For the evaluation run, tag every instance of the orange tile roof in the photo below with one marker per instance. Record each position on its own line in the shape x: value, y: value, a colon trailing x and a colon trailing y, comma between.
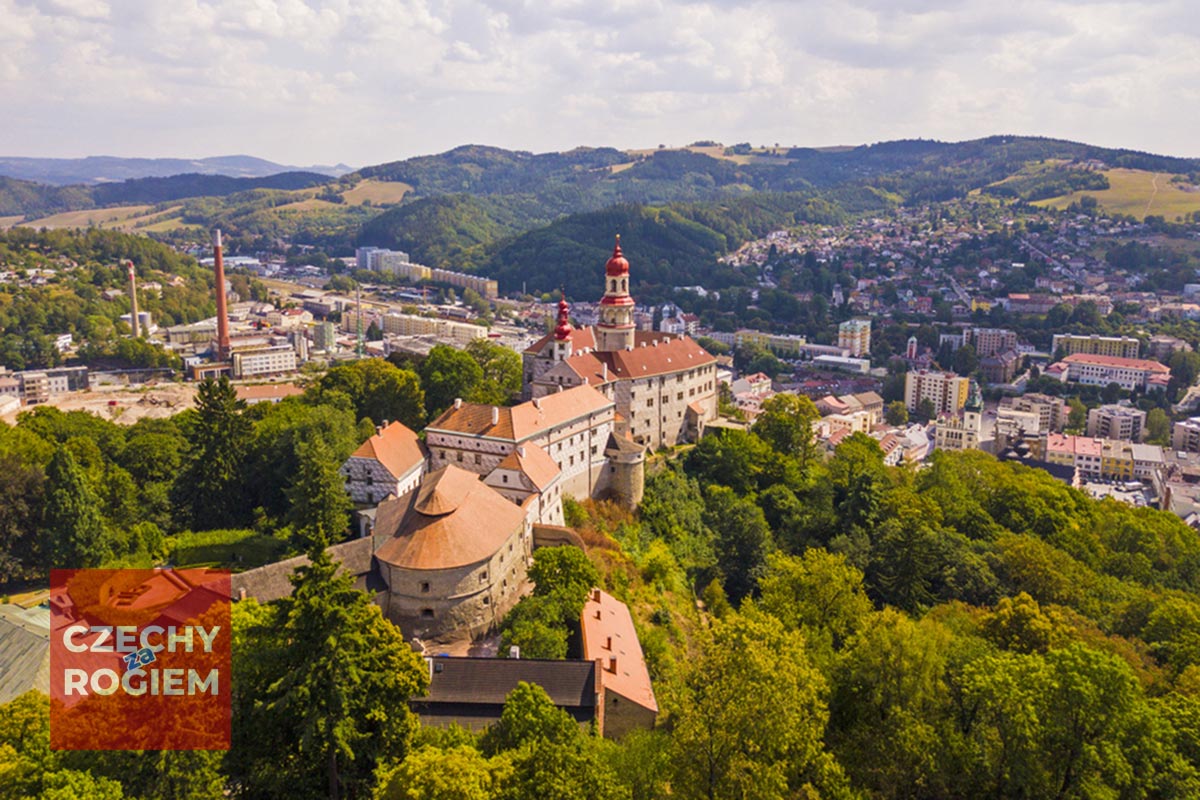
x: 671, y: 354
x: 525, y: 420
x: 268, y: 391
x: 608, y: 632
x: 534, y: 463
x: 580, y: 338
x: 1117, y: 361
x: 453, y: 520
x: 396, y: 447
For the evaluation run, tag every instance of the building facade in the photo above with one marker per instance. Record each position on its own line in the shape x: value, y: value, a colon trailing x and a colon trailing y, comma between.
x: 854, y: 336
x: 1117, y: 346
x: 1116, y: 422
x: 390, y: 463
x: 947, y: 391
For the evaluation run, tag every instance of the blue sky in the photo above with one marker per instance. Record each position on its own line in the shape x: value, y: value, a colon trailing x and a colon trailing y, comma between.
x: 365, y: 81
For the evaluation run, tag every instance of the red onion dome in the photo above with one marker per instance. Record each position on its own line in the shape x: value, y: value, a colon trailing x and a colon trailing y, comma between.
x: 617, y: 265
x: 563, y: 331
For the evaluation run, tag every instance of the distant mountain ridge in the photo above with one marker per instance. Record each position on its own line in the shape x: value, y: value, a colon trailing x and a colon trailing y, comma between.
x: 110, y: 169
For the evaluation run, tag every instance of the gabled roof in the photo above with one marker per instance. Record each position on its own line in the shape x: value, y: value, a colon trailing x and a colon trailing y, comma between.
x: 396, y: 447
x: 534, y: 463
x: 580, y: 338
x: 569, y: 684
x: 1116, y: 361
x: 523, y: 421
x: 608, y: 633
x: 453, y: 520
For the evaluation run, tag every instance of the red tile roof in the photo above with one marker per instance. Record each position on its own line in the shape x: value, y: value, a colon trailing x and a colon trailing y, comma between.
x: 525, y: 420
x: 534, y: 463
x: 396, y: 447
x: 608, y: 633
x: 453, y: 520
x: 1116, y: 361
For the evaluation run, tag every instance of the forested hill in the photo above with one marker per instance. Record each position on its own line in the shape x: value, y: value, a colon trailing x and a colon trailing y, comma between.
x: 18, y: 197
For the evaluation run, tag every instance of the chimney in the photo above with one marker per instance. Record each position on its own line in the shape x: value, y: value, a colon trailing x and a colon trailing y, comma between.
x: 495, y: 415
x: 223, y: 347
x: 521, y: 450
x: 599, y: 614
x: 514, y: 651
x: 604, y: 370
x: 612, y: 664
x: 596, y: 595
x: 608, y: 643
x: 537, y: 403
x: 133, y: 309
x: 457, y: 403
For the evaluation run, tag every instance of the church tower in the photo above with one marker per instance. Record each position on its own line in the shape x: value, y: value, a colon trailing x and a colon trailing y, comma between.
x: 562, y: 332
x: 615, y: 329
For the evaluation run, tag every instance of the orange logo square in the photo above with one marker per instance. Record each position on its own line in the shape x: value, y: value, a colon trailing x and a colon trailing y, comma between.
x: 139, y: 659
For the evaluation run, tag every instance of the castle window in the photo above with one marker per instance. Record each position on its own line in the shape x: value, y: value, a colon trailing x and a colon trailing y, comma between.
x: 460, y: 456
x: 504, y: 478
x: 425, y: 586
x: 650, y: 403
x: 679, y: 396
x: 486, y: 600
x: 426, y: 613
x: 483, y: 576
x: 477, y: 458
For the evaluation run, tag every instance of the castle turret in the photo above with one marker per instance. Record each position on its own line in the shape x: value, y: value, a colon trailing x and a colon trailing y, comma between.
x: 562, y: 331
x: 616, y: 327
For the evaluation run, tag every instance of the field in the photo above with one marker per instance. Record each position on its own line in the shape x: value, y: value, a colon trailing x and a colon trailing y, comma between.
x: 127, y: 405
x: 378, y: 192
x: 8, y: 222
x: 122, y: 217
x: 1138, y: 193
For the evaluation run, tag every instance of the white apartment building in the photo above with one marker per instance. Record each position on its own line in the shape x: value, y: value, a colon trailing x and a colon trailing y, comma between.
x: 854, y: 335
x: 947, y: 391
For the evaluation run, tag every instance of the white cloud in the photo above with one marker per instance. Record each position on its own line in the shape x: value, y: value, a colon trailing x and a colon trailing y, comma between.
x: 373, y: 80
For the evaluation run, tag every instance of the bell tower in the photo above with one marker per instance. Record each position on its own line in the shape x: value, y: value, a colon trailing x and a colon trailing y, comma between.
x: 615, y: 329
x: 562, y: 332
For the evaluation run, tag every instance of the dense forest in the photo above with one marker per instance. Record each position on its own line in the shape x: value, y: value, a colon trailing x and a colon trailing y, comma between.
x: 817, y: 625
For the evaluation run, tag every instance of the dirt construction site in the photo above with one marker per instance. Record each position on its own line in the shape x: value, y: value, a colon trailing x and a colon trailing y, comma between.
x: 123, y: 404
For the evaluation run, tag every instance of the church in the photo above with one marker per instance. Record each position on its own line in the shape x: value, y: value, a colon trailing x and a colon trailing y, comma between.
x: 663, y: 386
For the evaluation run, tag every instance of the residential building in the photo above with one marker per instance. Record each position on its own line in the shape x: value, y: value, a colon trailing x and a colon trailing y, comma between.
x: 990, y: 341
x: 1128, y: 373
x: 325, y: 337
x: 264, y: 361
x: 413, y: 325
x: 782, y: 344
x: 854, y: 335
x: 1051, y: 411
x: 1116, y: 422
x: 1162, y: 347
x: 1185, y: 435
x: 1000, y: 367
x: 1117, y: 346
x: 947, y: 391
x: 663, y: 387
x: 388, y: 464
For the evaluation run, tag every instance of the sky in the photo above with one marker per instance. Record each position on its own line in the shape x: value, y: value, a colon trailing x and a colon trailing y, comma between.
x: 367, y: 81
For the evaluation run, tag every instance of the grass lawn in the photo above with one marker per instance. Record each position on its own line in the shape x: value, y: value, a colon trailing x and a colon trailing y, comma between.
x: 1138, y: 193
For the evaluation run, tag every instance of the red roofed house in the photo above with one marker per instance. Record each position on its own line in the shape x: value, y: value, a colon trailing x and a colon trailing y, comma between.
x: 1128, y: 373
x: 664, y: 386
x: 389, y: 463
x: 610, y: 639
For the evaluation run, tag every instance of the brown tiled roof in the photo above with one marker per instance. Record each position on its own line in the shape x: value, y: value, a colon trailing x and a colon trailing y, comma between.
x: 534, y: 463
x: 453, y: 520
x: 268, y: 391
x: 608, y: 633
x: 581, y: 338
x: 523, y: 421
x: 1116, y: 361
x: 489, y: 680
x: 271, y: 582
x: 396, y: 447
x: 623, y: 444
x: 671, y: 354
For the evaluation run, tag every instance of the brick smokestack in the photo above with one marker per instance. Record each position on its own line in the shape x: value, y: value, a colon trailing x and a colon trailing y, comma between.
x: 133, y: 309
x: 223, y: 347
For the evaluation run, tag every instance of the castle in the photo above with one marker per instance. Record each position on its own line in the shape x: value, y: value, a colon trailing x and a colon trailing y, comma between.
x: 663, y: 386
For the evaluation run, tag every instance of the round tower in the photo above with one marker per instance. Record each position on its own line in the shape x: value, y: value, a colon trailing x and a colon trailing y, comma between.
x: 615, y: 329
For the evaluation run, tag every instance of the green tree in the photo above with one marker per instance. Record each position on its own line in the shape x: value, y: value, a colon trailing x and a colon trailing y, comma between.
x: 748, y: 716
x: 1077, y: 417
x: 818, y: 593
x: 73, y: 529
x: 966, y: 360
x: 926, y: 410
x: 446, y: 375
x: 501, y: 379
x: 529, y: 715
x: 896, y: 413
x: 211, y: 488
x: 320, y: 505
x: 743, y: 540
x: 321, y: 689
x: 563, y: 572
x: 785, y: 423
x: 1158, y: 427
x: 378, y: 389
x: 433, y: 773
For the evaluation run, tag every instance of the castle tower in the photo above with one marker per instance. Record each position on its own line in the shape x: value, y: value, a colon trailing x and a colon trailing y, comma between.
x: 562, y: 332
x: 615, y: 329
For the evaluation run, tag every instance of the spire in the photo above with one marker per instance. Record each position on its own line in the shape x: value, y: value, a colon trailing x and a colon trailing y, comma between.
x: 617, y: 265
